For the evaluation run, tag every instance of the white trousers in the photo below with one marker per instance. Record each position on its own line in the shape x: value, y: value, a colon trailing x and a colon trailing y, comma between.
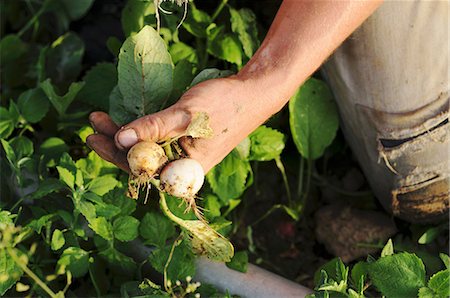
x: 391, y: 82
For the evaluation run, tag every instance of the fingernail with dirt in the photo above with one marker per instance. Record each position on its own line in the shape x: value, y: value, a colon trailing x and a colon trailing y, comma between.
x: 127, y: 138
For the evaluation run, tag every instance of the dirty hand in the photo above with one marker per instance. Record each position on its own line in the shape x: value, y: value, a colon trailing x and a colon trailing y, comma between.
x: 227, y: 101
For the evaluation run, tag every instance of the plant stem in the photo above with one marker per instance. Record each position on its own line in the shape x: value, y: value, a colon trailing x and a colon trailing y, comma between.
x: 285, y: 180
x: 33, y: 19
x: 301, y: 170
x: 30, y: 273
x: 175, y: 243
x: 218, y: 10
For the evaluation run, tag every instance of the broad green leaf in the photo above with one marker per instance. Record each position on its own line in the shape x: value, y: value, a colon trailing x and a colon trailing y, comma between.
x: 10, y: 273
x: 119, y: 263
x: 440, y: 283
x: 145, y: 72
x: 33, y: 105
x: 239, y: 262
x: 11, y: 48
x: 61, y: 103
x: 113, y: 44
x: 203, y: 239
x: 209, y: 74
x: 399, y: 275
x: 181, y: 51
x: 183, y: 74
x: 63, y: 63
x: 133, y: 15
x: 313, y: 118
x: 58, y: 240
x: 228, y: 178
x: 84, y: 132
x: 196, y: 21
x: 223, y: 45
x: 67, y: 177
x: 22, y: 146
x: 6, y: 218
x: 107, y: 211
x: 425, y: 292
x: 77, y: 9
x: 243, y: 23
x: 388, y: 249
x: 359, y: 271
x: 99, y: 82
x: 101, y: 185
x: 101, y: 227
x: 266, y: 144
x: 52, y: 149
x: 125, y: 228
x: 212, y: 207
x: 181, y: 265
x: 75, y: 260
x: 118, y: 198
x: 156, y: 229
x: 88, y: 210
x: 329, y: 268
x: 117, y: 110
x: 93, y: 166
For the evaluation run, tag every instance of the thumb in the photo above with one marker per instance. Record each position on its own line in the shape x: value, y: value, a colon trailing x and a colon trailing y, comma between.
x: 160, y: 126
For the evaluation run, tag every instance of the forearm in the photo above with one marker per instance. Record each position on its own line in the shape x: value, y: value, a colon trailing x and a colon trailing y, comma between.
x: 302, y: 36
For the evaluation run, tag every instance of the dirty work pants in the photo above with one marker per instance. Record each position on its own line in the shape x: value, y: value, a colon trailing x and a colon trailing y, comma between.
x: 391, y: 82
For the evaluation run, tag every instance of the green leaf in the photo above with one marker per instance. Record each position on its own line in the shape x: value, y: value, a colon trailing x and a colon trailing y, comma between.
x: 156, y: 229
x: 313, y: 118
x: 243, y: 23
x: 266, y: 144
x: 10, y: 273
x: 63, y: 63
x: 440, y: 283
x: 75, y: 260
x: 228, y: 179
x: 181, y: 51
x: 22, y: 146
x: 223, y: 45
x: 212, y: 207
x: 11, y: 48
x: 58, y: 240
x: 181, y: 265
x: 445, y: 259
x: 10, y: 154
x: 359, y: 271
x: 119, y: 263
x: 7, y: 123
x: 133, y: 15
x: 52, y: 150
x: 93, y: 166
x: 61, y: 103
x: 183, y: 74
x: 388, y: 249
x: 425, y: 292
x: 118, y: 198
x: 101, y: 185
x: 101, y: 227
x: 243, y: 149
x: 77, y: 9
x: 84, y: 132
x: 431, y: 234
x: 6, y: 218
x: 145, y: 72
x: 239, y: 262
x: 117, y: 110
x: 125, y: 228
x: 209, y: 74
x: 67, y: 177
x: 99, y: 82
x: 33, y: 105
x: 399, y: 275
x: 196, y: 21
x: 38, y: 224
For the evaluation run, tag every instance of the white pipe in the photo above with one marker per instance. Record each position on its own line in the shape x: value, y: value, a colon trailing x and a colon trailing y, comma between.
x: 256, y: 282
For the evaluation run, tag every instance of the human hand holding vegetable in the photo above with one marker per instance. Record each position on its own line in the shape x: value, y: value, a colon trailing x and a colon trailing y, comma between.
x: 301, y: 37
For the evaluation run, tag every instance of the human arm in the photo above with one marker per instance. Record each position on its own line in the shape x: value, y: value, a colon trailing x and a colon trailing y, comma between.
x: 302, y: 36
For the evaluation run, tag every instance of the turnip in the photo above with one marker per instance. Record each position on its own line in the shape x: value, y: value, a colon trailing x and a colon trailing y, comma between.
x: 183, y: 178
x: 145, y: 159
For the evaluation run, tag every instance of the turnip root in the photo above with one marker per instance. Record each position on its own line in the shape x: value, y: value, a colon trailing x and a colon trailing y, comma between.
x: 183, y: 178
x: 145, y: 160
